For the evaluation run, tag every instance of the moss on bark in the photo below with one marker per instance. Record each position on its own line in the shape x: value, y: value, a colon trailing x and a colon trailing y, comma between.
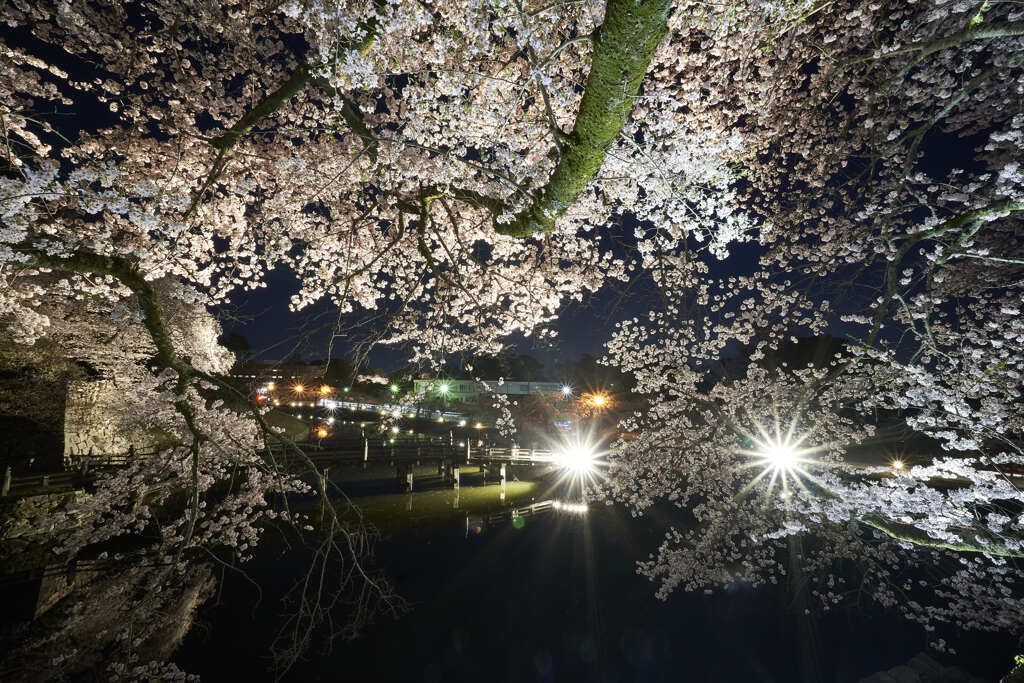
x: 623, y: 49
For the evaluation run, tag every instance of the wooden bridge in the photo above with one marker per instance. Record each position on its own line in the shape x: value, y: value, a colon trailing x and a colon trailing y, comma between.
x: 401, y: 454
x: 366, y: 450
x: 404, y: 455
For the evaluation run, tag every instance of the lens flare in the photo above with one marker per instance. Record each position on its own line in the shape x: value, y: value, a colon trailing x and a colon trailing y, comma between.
x: 783, y: 457
x: 578, y: 458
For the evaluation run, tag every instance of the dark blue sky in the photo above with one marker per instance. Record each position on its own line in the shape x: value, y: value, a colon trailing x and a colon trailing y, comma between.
x: 270, y: 326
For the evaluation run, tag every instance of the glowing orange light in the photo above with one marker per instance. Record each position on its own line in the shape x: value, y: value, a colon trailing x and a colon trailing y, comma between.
x: 598, y: 400
x: 325, y: 389
x: 897, y: 464
x: 298, y: 389
x: 321, y: 432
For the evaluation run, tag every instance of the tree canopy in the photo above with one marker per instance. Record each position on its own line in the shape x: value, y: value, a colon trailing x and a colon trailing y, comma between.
x: 452, y: 175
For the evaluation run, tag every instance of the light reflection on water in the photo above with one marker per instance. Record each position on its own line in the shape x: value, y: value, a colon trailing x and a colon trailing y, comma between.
x: 472, y: 508
x: 404, y: 510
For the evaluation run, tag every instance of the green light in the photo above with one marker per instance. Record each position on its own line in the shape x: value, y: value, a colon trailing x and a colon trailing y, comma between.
x: 394, y: 388
x: 345, y: 389
x: 443, y: 388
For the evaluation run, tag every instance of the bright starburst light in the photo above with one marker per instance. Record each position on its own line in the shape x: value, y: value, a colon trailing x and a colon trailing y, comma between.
x: 578, y: 458
x: 783, y: 458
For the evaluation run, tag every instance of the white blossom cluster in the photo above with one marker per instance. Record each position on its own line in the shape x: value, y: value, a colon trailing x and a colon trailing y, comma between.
x: 783, y: 172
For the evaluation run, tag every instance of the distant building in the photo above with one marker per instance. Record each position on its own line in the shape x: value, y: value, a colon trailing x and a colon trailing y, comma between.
x: 273, y: 371
x: 465, y: 390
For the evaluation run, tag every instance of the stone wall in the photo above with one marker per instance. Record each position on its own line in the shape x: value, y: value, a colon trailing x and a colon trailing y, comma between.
x: 94, y: 420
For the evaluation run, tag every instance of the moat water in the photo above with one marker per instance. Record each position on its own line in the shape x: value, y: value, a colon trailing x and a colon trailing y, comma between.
x: 553, y: 596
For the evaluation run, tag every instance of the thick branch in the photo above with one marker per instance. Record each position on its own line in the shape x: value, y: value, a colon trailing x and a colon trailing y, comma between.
x: 128, y: 275
x: 981, y: 31
x: 267, y: 106
x: 623, y: 49
x: 984, y: 541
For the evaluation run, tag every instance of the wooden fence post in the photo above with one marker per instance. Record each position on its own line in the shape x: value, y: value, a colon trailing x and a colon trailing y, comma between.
x: 403, y: 472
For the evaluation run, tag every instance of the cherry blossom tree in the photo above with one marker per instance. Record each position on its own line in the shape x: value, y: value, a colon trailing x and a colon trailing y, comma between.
x: 914, y: 254
x: 462, y: 170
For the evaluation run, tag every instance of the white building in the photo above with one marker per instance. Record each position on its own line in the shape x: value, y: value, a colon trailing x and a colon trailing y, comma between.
x: 467, y: 390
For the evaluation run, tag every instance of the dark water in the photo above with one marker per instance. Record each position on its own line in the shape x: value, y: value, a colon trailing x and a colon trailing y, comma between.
x: 556, y: 598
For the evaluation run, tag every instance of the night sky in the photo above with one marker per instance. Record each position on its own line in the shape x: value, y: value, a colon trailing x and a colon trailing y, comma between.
x: 273, y: 330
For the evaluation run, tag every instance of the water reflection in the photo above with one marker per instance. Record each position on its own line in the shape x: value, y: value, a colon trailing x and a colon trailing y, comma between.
x: 550, y: 598
x: 469, y: 509
x: 404, y: 510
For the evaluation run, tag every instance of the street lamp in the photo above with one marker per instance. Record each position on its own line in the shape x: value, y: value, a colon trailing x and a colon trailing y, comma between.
x: 443, y: 388
x: 566, y: 390
x: 299, y: 388
x: 325, y: 390
x: 394, y: 388
x: 781, y: 456
x: 577, y: 458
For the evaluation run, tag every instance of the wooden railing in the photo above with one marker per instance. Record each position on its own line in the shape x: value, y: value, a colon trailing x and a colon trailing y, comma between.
x: 51, y: 482
x: 513, y: 455
x: 87, y: 461
x: 81, y: 466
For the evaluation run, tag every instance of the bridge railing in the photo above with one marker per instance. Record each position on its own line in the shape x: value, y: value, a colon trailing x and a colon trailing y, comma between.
x: 351, y: 451
x: 513, y: 454
x: 82, y: 461
x: 20, y: 485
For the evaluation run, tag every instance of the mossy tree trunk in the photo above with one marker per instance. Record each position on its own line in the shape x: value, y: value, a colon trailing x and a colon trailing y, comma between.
x: 623, y: 48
